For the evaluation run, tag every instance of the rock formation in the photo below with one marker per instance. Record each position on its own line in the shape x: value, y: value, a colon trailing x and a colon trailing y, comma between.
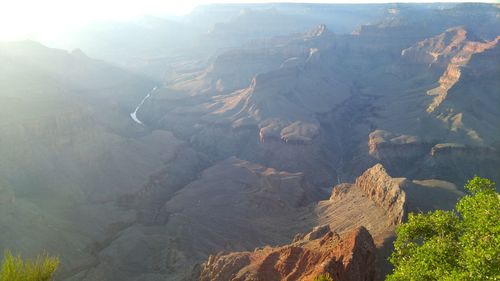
x: 384, y: 191
x: 234, y: 205
x: 452, y: 49
x: 375, y: 201
x: 350, y: 257
x: 392, y: 148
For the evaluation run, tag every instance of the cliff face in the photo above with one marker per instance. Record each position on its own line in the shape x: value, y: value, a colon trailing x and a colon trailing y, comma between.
x: 395, y: 149
x: 355, y: 220
x: 375, y: 201
x: 385, y: 191
x: 452, y: 49
x: 347, y: 257
x: 462, y: 162
x: 444, y: 150
x: 451, y: 161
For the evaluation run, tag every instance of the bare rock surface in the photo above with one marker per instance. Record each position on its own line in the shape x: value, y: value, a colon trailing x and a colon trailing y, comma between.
x: 347, y: 257
x: 452, y: 49
x: 234, y: 205
x: 375, y: 201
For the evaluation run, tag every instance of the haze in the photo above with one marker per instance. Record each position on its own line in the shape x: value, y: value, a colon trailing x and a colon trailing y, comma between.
x: 48, y: 20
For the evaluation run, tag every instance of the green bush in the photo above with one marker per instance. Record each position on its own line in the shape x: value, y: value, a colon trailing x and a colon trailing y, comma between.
x: 462, y: 244
x: 14, y: 268
x: 324, y: 277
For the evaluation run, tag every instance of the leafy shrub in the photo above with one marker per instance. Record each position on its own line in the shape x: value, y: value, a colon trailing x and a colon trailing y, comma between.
x: 462, y: 244
x: 14, y: 268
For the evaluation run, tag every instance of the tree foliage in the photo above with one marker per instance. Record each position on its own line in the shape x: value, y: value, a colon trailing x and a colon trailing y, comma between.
x: 324, y: 277
x: 14, y: 268
x: 462, y: 244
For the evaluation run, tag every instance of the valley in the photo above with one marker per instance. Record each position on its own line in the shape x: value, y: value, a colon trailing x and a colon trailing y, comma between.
x: 281, y: 144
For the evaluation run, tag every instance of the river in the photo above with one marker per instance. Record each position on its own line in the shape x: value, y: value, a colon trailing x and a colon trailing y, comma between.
x: 133, y: 115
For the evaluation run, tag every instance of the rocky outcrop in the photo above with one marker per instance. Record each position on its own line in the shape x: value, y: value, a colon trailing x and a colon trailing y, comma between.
x: 347, y: 257
x: 385, y: 191
x: 300, y: 132
x: 452, y: 49
x: 390, y: 147
x: 375, y: 201
x: 457, y: 162
x: 439, y: 49
x: 320, y: 30
x: 276, y: 102
x: 460, y: 150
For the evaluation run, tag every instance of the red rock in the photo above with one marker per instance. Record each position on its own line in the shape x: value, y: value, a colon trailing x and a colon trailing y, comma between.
x: 350, y: 257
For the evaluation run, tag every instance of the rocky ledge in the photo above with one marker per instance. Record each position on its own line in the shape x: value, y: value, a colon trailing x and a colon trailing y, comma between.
x: 347, y: 257
x: 375, y: 201
x: 385, y: 191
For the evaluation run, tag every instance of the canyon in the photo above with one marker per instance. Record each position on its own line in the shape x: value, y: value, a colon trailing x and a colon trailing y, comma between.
x: 245, y: 142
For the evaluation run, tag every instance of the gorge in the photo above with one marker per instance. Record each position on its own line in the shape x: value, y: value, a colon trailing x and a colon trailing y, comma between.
x: 245, y: 141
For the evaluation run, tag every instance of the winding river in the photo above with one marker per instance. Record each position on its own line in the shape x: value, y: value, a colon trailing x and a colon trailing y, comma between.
x: 133, y: 115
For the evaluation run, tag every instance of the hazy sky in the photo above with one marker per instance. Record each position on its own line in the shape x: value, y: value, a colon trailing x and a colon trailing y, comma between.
x: 20, y: 19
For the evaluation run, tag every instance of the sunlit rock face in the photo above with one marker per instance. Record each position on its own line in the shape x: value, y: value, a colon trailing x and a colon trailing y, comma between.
x: 453, y: 50
x: 376, y: 201
x: 347, y: 257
